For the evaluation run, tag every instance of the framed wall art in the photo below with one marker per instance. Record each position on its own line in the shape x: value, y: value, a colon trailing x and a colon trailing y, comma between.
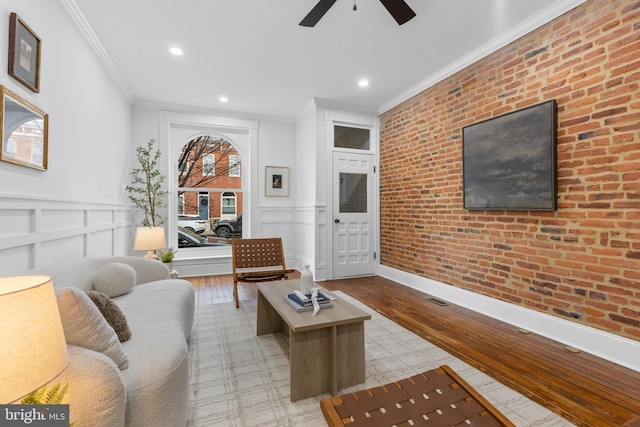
x: 24, y: 53
x: 276, y: 181
x: 509, y: 162
x: 24, y: 130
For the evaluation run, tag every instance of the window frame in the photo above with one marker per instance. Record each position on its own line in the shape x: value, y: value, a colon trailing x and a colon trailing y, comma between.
x: 224, y: 197
x: 37, y: 152
x: 12, y: 143
x: 175, y: 129
x: 236, y: 165
x: 180, y: 204
x: 211, y: 163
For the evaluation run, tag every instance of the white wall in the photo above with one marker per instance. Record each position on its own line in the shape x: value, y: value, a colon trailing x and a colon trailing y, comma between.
x: 78, y: 206
x: 273, y: 144
x: 89, y: 118
x: 314, y: 127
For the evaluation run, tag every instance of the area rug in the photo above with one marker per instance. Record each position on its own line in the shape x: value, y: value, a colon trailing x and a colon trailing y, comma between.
x: 238, y: 379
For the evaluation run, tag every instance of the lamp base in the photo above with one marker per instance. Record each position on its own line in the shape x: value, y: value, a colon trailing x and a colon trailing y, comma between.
x: 151, y: 255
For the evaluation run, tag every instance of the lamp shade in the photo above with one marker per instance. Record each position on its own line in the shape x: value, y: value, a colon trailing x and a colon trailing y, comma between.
x: 34, y: 350
x: 149, y: 239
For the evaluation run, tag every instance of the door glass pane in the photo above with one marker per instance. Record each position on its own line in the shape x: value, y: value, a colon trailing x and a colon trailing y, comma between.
x: 353, y: 193
x: 345, y: 137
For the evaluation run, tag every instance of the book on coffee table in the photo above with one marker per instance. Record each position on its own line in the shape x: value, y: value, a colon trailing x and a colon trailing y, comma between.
x: 322, y: 298
x: 299, y: 308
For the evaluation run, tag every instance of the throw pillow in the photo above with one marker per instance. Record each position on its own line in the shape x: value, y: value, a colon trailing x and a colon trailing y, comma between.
x: 112, y: 314
x: 85, y: 326
x: 114, y: 279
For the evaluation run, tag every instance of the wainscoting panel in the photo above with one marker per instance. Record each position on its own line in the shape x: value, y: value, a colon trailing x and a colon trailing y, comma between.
x: 280, y: 222
x: 305, y: 237
x: 100, y: 243
x: 16, y: 260
x: 52, y: 220
x: 36, y: 232
x: 323, y: 237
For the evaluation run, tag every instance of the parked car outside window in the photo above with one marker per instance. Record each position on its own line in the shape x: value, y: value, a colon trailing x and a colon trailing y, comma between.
x: 192, y: 222
x: 189, y: 239
x: 227, y: 227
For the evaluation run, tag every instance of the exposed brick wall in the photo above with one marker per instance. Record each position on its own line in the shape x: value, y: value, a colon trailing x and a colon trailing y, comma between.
x: 581, y: 262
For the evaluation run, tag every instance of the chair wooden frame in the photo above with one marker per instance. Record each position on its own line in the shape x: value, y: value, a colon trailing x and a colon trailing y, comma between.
x: 257, y: 260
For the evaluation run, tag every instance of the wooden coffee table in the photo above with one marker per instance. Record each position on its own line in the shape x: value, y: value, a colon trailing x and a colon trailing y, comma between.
x: 326, y: 351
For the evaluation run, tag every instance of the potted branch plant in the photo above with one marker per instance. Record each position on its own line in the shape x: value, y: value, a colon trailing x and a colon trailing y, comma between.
x: 147, y: 194
x: 145, y: 190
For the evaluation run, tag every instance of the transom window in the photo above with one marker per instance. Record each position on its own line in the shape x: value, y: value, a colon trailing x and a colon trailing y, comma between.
x: 353, y: 138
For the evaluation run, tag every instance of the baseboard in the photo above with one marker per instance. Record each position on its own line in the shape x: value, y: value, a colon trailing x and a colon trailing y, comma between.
x: 616, y: 349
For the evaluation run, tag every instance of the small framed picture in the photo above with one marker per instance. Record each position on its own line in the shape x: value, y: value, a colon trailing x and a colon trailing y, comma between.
x: 24, y: 53
x: 276, y: 181
x: 24, y: 131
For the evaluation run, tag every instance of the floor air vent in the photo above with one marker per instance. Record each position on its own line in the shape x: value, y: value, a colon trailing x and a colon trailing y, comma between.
x: 438, y: 301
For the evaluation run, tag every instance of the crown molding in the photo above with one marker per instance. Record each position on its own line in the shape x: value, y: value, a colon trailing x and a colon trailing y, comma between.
x: 206, y: 111
x: 525, y: 27
x: 78, y: 17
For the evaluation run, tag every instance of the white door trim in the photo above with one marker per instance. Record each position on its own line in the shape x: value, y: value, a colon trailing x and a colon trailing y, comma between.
x: 333, y: 118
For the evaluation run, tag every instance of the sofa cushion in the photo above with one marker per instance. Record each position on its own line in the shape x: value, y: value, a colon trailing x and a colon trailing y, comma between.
x: 171, y: 299
x: 160, y: 315
x: 97, y: 396
x: 114, y: 279
x: 112, y: 314
x: 85, y: 326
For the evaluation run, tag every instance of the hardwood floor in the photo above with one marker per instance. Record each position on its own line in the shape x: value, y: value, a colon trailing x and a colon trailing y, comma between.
x: 583, y: 389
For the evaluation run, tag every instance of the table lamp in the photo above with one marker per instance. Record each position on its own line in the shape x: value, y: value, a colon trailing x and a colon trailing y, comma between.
x: 149, y: 239
x: 34, y: 350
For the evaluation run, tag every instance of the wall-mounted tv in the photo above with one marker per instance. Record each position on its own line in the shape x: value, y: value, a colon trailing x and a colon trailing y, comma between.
x: 509, y: 162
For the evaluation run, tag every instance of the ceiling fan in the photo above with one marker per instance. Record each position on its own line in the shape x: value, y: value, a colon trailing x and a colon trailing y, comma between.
x: 399, y: 9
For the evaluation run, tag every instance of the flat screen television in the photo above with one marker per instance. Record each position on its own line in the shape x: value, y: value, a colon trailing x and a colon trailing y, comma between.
x: 509, y: 162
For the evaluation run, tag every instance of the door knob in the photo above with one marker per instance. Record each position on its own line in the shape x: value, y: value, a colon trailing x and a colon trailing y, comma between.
x: 337, y: 221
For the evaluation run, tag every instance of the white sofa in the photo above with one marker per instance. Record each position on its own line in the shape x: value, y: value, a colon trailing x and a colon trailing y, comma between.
x: 152, y: 387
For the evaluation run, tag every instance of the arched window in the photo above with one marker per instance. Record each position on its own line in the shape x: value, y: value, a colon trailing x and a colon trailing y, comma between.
x: 209, y: 189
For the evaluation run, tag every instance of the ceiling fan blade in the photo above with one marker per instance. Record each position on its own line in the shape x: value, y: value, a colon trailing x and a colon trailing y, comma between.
x: 316, y: 13
x: 399, y: 9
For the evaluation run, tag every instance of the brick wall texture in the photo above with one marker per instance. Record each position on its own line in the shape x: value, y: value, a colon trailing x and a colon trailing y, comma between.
x: 581, y: 262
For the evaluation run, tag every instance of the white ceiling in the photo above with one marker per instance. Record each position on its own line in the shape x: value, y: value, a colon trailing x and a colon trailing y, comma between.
x: 255, y: 53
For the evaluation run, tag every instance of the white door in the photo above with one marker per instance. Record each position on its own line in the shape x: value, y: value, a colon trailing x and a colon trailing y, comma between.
x: 353, y: 215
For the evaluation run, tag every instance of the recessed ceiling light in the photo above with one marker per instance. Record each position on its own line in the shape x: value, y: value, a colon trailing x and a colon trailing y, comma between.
x: 363, y: 82
x: 176, y: 51
x: 223, y: 99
